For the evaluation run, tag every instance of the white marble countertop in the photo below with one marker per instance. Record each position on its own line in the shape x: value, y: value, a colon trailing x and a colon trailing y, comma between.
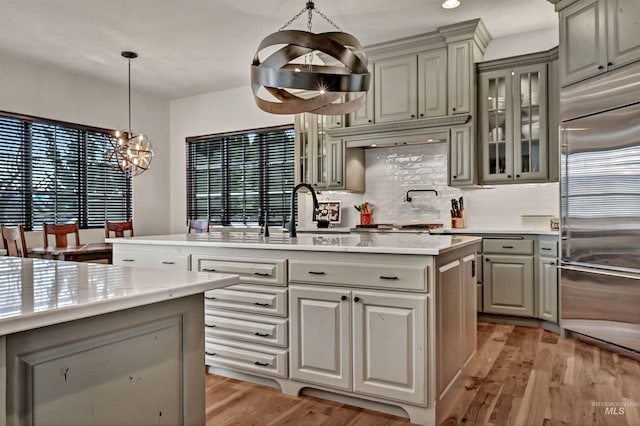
x: 522, y: 231
x: 37, y: 293
x: 419, y: 244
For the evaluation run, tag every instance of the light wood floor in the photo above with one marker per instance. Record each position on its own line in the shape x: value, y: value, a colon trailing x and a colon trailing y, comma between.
x: 525, y: 376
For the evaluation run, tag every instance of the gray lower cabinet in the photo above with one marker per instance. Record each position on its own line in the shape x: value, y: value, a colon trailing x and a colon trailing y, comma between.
x: 548, y: 289
x: 508, y: 285
x: 508, y: 276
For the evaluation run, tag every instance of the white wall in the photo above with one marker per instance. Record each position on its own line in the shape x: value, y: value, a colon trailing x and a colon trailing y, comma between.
x: 521, y: 44
x: 217, y: 112
x: 45, y: 91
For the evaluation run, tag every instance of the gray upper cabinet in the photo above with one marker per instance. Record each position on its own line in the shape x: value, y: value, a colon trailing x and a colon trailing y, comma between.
x: 396, y: 89
x: 597, y: 36
x: 515, y: 138
x: 432, y: 83
x: 461, y: 81
x: 462, y: 156
x: 322, y: 161
x: 364, y: 115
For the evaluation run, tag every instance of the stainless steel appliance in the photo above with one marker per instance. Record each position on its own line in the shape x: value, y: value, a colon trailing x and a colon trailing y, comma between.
x: 600, y: 208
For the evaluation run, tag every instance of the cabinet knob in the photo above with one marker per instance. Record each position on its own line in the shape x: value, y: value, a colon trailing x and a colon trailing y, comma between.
x: 338, y: 182
x: 609, y: 64
x: 338, y: 123
x: 370, y: 121
x: 421, y: 115
x: 453, y: 109
x: 455, y: 177
x: 413, y: 116
x: 517, y: 176
x: 343, y: 297
x: 509, y: 176
x: 552, y: 263
x: 601, y: 67
x: 487, y: 260
x: 356, y: 299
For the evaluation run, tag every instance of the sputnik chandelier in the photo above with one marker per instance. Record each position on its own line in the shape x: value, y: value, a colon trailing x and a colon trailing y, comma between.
x: 131, y: 152
x: 298, y: 85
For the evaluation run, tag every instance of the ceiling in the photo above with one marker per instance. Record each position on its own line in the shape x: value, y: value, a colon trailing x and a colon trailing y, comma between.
x: 188, y: 47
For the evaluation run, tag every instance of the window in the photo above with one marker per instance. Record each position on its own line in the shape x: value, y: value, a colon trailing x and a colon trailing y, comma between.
x: 233, y: 177
x: 57, y: 172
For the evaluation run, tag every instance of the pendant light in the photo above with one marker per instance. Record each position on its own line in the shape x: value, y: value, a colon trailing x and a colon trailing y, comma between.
x: 131, y: 152
x: 296, y: 84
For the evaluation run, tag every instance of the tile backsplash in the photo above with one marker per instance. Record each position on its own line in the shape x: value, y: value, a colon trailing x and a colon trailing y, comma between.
x: 392, y: 171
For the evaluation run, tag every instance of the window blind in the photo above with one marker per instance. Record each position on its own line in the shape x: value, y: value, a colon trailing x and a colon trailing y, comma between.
x: 233, y: 177
x: 57, y: 172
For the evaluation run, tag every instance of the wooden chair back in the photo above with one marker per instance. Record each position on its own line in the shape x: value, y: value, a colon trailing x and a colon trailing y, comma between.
x: 198, y: 225
x: 14, y: 242
x: 61, y: 232
x: 118, y: 228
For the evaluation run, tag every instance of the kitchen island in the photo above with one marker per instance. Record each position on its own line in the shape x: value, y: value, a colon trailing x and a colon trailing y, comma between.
x: 84, y: 344
x: 386, y: 322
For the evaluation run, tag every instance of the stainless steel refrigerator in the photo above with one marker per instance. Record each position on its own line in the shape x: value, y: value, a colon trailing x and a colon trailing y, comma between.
x: 600, y: 209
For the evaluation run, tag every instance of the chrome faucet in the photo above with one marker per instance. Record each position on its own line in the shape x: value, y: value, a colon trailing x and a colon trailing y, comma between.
x: 292, y: 223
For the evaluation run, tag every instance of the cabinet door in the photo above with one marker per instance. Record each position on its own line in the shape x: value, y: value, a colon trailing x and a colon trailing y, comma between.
x: 582, y: 40
x: 460, y: 70
x: 396, y: 89
x: 508, y: 285
x: 304, y: 148
x: 462, y: 166
x: 496, y: 124
x: 469, y: 303
x: 623, y: 32
x: 364, y: 114
x: 321, y: 336
x: 389, y: 355
x: 530, y: 123
x: 319, y: 150
x: 335, y: 150
x: 548, y: 289
x: 432, y: 83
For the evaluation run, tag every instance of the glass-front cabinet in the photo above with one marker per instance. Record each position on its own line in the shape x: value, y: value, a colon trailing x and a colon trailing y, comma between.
x: 513, y: 124
x: 322, y: 161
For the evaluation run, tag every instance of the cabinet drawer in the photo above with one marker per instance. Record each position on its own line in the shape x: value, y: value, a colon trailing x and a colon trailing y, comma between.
x: 152, y: 260
x: 548, y: 248
x: 248, y: 328
x: 394, y: 277
x: 507, y: 246
x: 249, y: 298
x: 256, y: 359
x: 272, y: 272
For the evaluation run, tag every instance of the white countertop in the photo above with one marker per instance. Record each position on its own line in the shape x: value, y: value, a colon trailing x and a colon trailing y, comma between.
x: 521, y: 231
x: 37, y: 293
x: 420, y: 244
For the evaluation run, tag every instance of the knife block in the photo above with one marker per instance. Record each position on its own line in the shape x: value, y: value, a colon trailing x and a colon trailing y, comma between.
x: 458, y: 222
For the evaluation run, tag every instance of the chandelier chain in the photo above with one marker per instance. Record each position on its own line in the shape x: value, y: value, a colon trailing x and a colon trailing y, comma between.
x: 309, y: 11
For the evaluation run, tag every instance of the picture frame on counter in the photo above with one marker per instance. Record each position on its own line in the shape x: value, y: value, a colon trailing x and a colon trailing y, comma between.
x: 328, y: 211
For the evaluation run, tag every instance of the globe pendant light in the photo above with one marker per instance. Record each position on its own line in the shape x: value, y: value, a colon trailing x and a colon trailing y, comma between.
x: 131, y: 152
x: 297, y: 87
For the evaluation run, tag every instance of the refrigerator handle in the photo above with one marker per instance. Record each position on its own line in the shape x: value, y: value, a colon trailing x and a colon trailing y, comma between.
x: 600, y: 272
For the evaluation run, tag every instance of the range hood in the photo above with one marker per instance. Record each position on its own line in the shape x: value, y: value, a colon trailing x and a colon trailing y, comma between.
x: 409, y: 132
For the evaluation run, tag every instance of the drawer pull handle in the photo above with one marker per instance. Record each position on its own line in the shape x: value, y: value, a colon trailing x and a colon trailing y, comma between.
x: 262, y: 274
x: 261, y: 364
x: 384, y: 277
x: 167, y: 262
x: 210, y: 353
x: 262, y: 304
x: 128, y: 260
x: 316, y: 272
x: 546, y: 248
x: 210, y: 325
x: 208, y: 270
x: 509, y: 247
x: 257, y: 333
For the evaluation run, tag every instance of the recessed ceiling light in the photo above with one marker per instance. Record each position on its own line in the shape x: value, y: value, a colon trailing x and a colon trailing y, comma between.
x: 450, y: 4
